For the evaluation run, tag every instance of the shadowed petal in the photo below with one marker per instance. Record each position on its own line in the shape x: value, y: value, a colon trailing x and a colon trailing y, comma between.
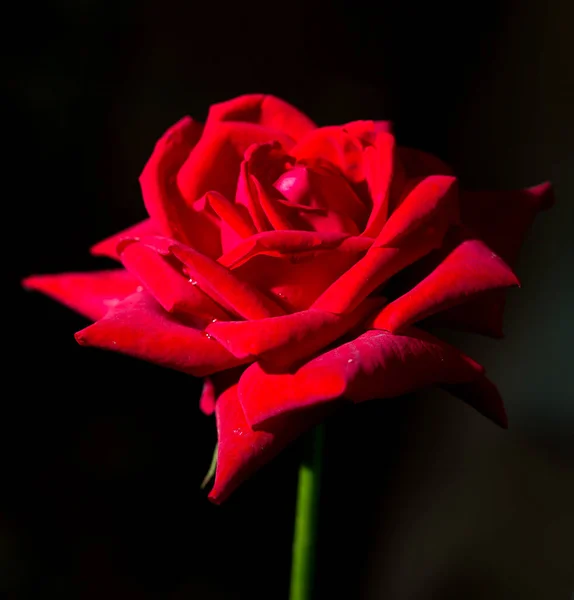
x: 502, y: 219
x: 90, y: 294
x: 482, y: 395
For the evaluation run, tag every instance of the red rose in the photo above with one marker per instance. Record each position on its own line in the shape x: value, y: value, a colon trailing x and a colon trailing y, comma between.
x: 288, y: 264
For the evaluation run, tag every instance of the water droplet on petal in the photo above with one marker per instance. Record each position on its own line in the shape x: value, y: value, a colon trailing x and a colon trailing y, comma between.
x: 350, y: 360
x: 192, y: 281
x: 139, y: 288
x: 209, y: 337
x: 214, y: 320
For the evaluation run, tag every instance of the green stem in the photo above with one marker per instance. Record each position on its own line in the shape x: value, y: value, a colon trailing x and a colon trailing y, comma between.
x: 306, y: 516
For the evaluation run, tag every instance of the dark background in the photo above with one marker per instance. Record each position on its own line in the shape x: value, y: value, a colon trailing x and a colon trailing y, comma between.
x: 102, y: 455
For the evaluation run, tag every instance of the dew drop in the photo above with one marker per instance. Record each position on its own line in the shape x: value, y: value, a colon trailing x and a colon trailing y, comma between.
x: 139, y: 288
x: 214, y: 320
x: 192, y: 281
x: 209, y: 337
x: 350, y: 360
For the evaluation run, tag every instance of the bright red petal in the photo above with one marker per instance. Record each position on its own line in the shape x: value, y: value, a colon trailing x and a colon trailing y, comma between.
x: 170, y: 213
x: 374, y: 365
x: 165, y: 280
x: 214, y: 163
x: 281, y: 341
x: 379, y: 162
x: 280, y: 243
x: 90, y: 294
x: 462, y: 269
x: 262, y: 109
x: 298, y: 279
x: 242, y: 451
x: 413, y: 230
x: 225, y: 287
x: 139, y: 327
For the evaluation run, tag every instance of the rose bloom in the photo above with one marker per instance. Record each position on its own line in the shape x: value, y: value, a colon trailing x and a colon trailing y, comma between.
x: 288, y: 265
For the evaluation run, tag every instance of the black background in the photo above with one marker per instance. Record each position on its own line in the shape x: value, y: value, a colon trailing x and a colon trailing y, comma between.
x: 103, y: 455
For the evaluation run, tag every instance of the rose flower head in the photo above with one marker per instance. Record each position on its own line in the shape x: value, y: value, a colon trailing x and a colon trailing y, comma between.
x: 295, y: 267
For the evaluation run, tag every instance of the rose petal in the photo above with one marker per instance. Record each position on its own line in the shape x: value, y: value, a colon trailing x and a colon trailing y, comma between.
x: 462, y: 269
x: 90, y: 294
x: 262, y: 109
x: 379, y: 160
x: 280, y: 243
x: 431, y: 206
x: 374, y: 365
x: 225, y: 287
x: 108, y: 247
x: 242, y: 451
x: 214, y: 163
x: 164, y: 279
x: 341, y: 146
x: 413, y: 230
x: 139, y: 327
x: 169, y: 211
x: 502, y: 219
x: 483, y: 396
x: 298, y: 279
x: 320, y: 188
x: 281, y: 341
x: 236, y: 223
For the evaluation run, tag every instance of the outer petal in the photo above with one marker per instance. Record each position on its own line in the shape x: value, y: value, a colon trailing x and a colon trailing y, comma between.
x: 462, y: 269
x: 165, y: 280
x: 281, y: 341
x: 242, y: 451
x: 265, y: 110
x: 139, y: 327
x: 502, y: 219
x: 90, y: 294
x: 169, y: 211
x: 214, y: 163
x: 374, y: 365
x: 108, y: 247
x: 417, y: 163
